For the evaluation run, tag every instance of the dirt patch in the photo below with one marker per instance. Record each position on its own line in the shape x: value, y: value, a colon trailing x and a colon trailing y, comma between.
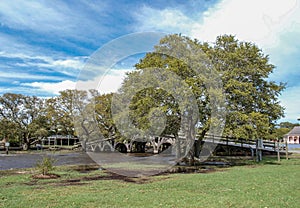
x: 195, y: 169
x: 108, y: 176
x: 113, y: 176
x: 84, y: 179
x: 46, y: 176
x: 141, y: 180
x: 31, y: 183
x: 86, y: 168
x: 14, y: 172
x: 69, y: 184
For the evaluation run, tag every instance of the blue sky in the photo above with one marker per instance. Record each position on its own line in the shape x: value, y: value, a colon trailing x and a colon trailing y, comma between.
x: 44, y: 44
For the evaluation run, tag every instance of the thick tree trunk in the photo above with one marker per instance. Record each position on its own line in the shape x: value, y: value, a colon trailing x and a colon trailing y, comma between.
x: 26, y: 142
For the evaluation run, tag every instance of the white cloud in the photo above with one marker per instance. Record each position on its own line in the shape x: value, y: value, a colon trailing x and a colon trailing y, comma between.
x: 18, y: 13
x: 166, y: 20
x: 53, y: 88
x: 14, y: 45
x: 258, y: 21
x: 18, y: 90
x: 67, y: 65
x: 22, y: 75
x: 112, y: 81
x: 105, y: 84
x: 54, y: 18
x: 290, y: 100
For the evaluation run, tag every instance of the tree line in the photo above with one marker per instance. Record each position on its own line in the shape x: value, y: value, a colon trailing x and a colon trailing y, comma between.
x: 251, y: 100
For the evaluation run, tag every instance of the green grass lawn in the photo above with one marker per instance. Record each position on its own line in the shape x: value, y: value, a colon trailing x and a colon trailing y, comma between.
x: 268, y: 184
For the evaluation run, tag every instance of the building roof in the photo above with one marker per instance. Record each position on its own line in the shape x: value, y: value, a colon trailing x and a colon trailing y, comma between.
x: 294, y: 132
x: 60, y: 137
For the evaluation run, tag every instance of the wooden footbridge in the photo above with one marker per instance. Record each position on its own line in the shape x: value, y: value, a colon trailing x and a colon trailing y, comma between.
x: 241, y: 146
x: 221, y: 145
x: 157, y: 144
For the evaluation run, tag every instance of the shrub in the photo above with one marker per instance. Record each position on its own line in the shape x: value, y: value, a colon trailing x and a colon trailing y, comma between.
x: 45, y: 165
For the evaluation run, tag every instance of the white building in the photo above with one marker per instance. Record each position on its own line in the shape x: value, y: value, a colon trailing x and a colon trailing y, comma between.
x: 293, y: 137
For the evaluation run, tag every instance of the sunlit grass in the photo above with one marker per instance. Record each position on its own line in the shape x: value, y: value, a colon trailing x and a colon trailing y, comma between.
x: 269, y: 184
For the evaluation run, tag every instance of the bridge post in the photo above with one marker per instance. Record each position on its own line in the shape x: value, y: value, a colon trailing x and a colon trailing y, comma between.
x: 6, y: 147
x: 286, y: 150
x: 252, y: 153
x: 259, y: 146
x: 197, y: 145
x: 278, y: 150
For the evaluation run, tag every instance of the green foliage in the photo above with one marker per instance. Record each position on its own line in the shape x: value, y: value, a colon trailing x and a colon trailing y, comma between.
x: 25, y: 117
x: 154, y: 101
x: 9, y: 129
x: 103, y: 116
x: 282, y: 129
x: 46, y: 165
x: 253, y: 106
x: 21, y: 113
x: 252, y: 101
x: 280, y: 132
x: 60, y: 111
x: 288, y: 125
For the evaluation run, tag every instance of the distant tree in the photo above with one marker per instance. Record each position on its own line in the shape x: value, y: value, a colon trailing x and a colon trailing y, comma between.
x: 84, y: 116
x: 282, y: 129
x: 9, y: 130
x: 23, y: 111
x: 59, y: 113
x: 279, y: 133
x: 287, y: 125
x: 104, y: 117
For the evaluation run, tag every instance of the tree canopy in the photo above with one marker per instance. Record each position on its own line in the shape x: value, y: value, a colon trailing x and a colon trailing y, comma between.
x: 252, y: 105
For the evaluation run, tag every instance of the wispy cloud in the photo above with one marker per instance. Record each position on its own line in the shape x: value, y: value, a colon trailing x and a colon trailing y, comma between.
x: 166, y: 20
x: 291, y: 102
x: 271, y: 24
x: 259, y: 21
x: 252, y: 20
x: 31, y: 15
x: 58, y: 18
x: 69, y: 65
x: 20, y: 90
x: 53, y: 88
x: 50, y: 40
x: 107, y: 83
x: 112, y: 81
x: 25, y: 76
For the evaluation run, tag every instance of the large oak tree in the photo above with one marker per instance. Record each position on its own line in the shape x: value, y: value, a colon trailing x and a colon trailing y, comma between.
x: 251, y: 99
